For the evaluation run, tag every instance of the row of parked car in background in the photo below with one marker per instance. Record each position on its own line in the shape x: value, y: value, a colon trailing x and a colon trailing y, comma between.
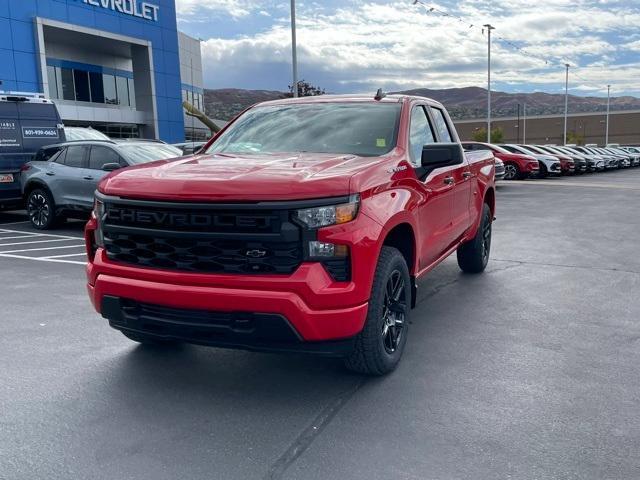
x: 518, y: 162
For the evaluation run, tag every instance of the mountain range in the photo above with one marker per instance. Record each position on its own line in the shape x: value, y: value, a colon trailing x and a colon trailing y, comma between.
x: 462, y: 103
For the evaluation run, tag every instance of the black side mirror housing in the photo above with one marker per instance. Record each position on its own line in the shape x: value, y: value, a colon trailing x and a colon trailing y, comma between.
x: 437, y: 155
x: 110, y: 167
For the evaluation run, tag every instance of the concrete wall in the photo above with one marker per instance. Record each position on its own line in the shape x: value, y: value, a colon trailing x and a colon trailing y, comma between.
x: 624, y: 128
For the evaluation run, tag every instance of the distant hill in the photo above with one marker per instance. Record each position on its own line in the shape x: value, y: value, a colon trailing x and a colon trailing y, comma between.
x: 226, y: 103
x: 462, y: 103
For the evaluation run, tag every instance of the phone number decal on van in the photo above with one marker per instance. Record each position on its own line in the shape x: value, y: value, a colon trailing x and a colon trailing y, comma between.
x: 39, y: 132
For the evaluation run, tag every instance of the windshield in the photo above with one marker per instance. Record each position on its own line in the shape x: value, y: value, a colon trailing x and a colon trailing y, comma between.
x: 345, y: 128
x: 148, y: 152
x: 75, y: 134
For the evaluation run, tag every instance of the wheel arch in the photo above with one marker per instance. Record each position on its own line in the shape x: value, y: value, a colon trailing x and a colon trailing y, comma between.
x: 490, y: 199
x: 402, y: 237
x: 32, y: 185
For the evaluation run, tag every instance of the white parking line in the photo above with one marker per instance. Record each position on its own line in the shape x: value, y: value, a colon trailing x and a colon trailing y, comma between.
x: 40, y: 249
x: 15, y: 223
x: 47, y: 234
x: 38, y: 241
x: 64, y: 256
x: 20, y: 236
x: 43, y: 259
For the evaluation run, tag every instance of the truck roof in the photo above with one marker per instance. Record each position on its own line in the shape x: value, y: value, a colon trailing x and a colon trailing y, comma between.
x: 347, y: 98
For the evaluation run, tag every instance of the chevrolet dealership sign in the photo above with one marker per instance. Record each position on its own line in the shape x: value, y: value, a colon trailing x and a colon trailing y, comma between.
x: 145, y: 10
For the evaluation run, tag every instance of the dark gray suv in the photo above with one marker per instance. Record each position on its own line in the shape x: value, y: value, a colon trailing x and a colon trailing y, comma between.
x: 64, y: 185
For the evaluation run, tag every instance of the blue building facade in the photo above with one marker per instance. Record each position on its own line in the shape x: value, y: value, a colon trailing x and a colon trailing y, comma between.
x: 110, y: 64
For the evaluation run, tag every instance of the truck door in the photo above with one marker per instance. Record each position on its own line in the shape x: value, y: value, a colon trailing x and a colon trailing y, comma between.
x: 434, y: 214
x: 462, y: 178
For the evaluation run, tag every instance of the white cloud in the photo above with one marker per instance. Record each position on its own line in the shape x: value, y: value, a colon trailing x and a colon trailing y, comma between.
x: 396, y: 45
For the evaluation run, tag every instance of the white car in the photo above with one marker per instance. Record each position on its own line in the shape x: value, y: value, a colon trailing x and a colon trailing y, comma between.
x: 549, y: 165
x: 500, y: 171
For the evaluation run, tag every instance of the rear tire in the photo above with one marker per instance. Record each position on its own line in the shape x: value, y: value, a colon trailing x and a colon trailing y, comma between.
x: 41, y: 209
x: 148, y: 339
x: 473, y: 256
x: 379, y: 347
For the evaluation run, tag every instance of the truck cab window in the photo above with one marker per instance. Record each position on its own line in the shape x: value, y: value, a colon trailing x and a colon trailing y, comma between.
x: 420, y: 134
x: 441, y: 125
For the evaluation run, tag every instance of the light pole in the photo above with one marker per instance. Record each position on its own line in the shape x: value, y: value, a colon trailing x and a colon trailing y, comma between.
x: 606, y: 135
x: 489, y: 28
x: 294, y: 48
x: 566, y: 101
x: 524, y: 124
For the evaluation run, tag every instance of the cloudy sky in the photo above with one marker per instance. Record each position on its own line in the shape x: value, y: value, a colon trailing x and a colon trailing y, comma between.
x: 360, y: 45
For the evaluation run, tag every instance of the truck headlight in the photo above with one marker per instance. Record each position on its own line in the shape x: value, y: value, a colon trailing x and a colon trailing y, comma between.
x: 98, y: 212
x: 318, y: 217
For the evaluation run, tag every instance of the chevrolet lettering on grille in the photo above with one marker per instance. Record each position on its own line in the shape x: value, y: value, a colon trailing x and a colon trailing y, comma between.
x: 196, y: 220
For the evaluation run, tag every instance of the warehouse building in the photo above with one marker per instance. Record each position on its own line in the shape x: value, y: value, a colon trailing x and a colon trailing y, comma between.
x: 624, y: 128
x: 119, y: 66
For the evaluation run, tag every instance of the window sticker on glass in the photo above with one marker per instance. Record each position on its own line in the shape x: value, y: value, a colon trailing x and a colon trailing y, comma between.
x: 381, y: 142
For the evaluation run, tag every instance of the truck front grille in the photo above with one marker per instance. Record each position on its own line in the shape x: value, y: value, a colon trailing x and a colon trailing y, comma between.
x: 212, y: 256
x: 236, y: 239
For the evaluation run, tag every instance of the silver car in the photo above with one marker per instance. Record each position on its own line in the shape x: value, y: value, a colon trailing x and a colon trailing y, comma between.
x: 64, y: 185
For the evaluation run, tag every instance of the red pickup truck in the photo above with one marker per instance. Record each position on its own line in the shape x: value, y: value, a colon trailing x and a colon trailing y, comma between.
x: 302, y: 227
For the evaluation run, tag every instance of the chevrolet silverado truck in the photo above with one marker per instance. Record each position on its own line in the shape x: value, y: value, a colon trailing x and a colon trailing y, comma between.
x: 304, y: 226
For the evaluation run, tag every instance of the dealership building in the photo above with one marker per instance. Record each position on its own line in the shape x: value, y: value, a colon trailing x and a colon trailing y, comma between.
x: 119, y: 66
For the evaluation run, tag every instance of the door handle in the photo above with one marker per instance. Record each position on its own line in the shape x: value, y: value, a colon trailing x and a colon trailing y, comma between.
x: 467, y: 175
x: 88, y: 178
x: 449, y: 181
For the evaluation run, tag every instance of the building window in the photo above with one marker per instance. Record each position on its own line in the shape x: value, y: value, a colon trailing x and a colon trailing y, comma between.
x: 123, y: 91
x: 132, y: 93
x: 81, y: 81
x: 53, y: 83
x: 68, y: 89
x: 97, y: 87
x: 110, y: 95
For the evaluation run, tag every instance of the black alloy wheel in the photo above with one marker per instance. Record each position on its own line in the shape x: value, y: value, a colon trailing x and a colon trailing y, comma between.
x: 394, y: 312
x: 40, y: 209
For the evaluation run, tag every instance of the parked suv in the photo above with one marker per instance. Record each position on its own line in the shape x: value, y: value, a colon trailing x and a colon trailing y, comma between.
x: 549, y: 165
x: 27, y: 122
x: 64, y: 185
x: 518, y: 166
x: 302, y: 227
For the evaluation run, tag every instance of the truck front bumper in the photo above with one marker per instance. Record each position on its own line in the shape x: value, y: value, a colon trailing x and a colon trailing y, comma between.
x: 262, y: 314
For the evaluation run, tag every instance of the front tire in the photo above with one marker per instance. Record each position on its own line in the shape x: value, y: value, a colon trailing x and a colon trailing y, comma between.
x: 379, y: 347
x: 41, y: 209
x: 543, y: 172
x: 473, y: 256
x: 512, y: 172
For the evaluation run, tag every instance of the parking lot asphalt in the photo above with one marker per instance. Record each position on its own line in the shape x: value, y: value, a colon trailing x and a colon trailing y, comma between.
x: 529, y: 371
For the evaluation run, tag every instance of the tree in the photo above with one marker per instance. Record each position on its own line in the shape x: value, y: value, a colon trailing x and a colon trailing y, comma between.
x: 480, y: 135
x: 305, y: 89
x: 192, y: 111
x: 575, y: 138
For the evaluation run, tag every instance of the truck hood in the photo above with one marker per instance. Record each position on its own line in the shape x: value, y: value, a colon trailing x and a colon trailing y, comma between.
x: 239, y: 177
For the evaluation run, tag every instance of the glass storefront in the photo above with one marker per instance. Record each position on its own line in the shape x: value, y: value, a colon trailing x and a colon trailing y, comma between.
x: 84, y: 86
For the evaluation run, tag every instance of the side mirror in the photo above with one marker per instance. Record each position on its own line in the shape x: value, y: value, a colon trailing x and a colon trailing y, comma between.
x: 436, y: 155
x: 110, y: 167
